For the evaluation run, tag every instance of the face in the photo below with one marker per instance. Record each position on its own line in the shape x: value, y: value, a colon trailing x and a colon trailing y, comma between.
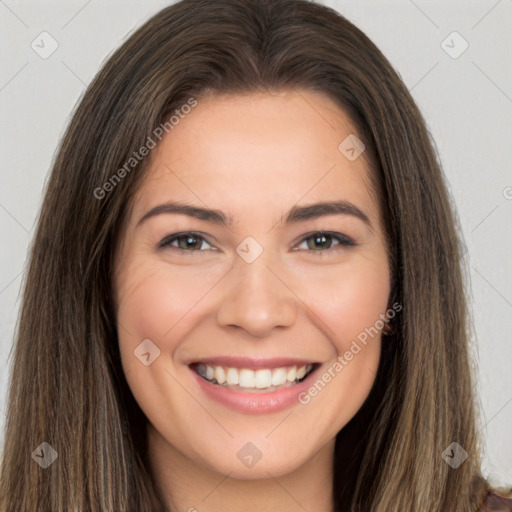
x: 243, y: 319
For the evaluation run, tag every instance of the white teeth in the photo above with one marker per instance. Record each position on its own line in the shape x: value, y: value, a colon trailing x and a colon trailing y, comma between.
x: 278, y: 376
x: 292, y: 373
x: 263, y: 378
x: 232, y: 377
x: 246, y: 378
x: 220, y: 374
x: 301, y: 372
x: 253, y: 379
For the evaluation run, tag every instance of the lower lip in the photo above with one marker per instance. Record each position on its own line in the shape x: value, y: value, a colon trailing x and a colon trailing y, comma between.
x: 256, y: 402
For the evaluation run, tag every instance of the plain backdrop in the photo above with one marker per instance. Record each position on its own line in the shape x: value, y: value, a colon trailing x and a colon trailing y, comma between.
x: 455, y: 58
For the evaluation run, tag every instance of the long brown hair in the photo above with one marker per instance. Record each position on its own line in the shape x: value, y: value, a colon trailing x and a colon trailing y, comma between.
x: 67, y: 386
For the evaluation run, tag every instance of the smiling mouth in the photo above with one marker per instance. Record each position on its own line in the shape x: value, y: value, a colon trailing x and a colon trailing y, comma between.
x: 254, y: 381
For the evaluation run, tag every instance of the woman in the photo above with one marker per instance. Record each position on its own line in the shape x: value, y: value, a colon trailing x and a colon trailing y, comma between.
x: 186, y: 341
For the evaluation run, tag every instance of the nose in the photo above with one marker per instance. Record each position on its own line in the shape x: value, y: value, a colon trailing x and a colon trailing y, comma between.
x: 256, y: 298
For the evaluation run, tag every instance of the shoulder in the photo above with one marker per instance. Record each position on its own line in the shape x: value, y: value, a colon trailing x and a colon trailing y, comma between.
x: 496, y: 503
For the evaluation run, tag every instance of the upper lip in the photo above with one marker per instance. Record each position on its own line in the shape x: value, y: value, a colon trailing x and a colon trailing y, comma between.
x: 253, y: 362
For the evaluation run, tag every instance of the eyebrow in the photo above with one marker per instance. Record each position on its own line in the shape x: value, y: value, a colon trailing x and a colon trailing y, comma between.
x: 296, y: 214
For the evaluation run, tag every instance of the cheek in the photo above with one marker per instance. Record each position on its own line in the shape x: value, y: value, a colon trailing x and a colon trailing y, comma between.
x: 154, y: 304
x: 157, y: 305
x: 153, y: 300
x: 349, y: 301
x: 350, y: 306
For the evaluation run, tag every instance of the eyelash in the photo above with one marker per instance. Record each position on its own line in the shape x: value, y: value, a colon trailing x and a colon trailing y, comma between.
x: 343, y: 241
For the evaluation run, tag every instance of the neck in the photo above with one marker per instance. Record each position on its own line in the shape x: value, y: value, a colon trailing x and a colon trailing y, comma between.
x: 188, y: 486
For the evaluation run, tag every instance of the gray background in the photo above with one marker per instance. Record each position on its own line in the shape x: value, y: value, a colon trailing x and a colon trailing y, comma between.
x: 467, y: 102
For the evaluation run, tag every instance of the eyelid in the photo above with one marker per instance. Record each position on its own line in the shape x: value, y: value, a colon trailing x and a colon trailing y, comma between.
x: 343, y: 240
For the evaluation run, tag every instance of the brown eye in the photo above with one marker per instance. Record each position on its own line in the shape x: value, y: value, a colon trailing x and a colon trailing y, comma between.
x: 189, y: 242
x: 323, y: 241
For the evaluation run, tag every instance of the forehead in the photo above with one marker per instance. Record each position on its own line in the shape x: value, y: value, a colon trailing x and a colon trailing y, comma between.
x: 256, y: 153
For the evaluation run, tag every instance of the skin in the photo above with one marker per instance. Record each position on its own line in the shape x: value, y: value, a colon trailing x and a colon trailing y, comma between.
x: 254, y: 157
